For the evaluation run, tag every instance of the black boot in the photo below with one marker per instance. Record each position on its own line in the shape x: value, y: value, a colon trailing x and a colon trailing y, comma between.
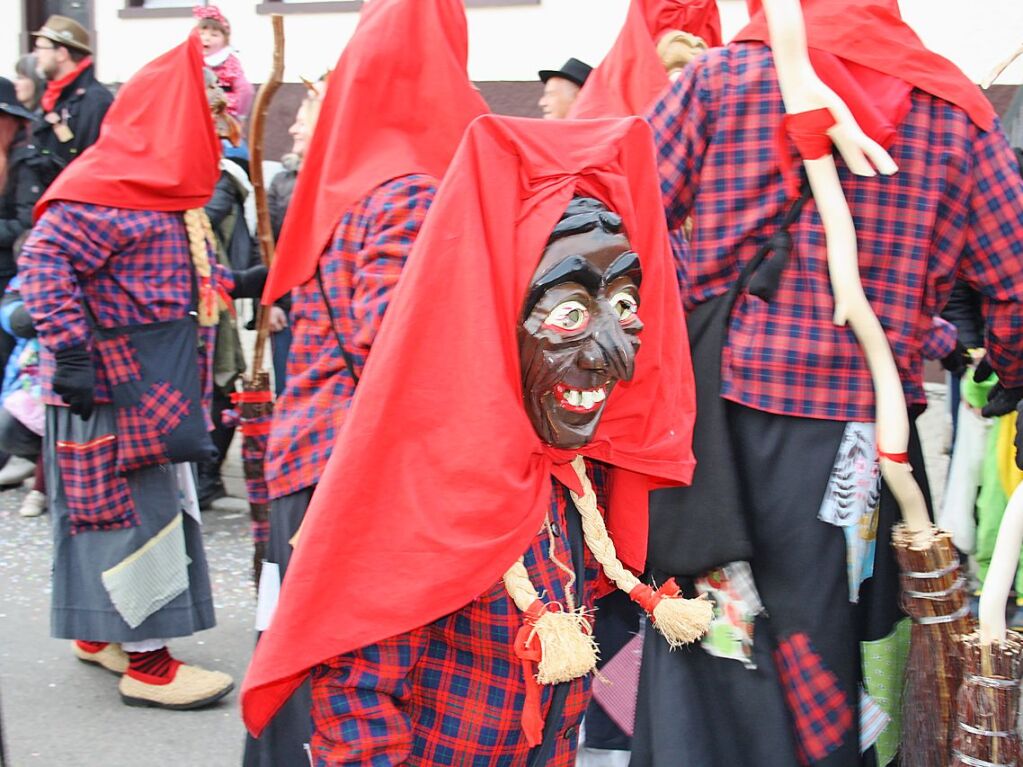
x: 210, y: 486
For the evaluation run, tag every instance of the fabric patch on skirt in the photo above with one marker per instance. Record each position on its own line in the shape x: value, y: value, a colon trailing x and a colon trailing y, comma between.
x: 139, y: 443
x: 873, y: 720
x: 617, y: 683
x: 164, y: 407
x: 119, y: 360
x: 151, y: 577
x: 97, y: 497
x: 851, y: 500
x: 736, y: 607
x: 884, y: 667
x: 820, y: 710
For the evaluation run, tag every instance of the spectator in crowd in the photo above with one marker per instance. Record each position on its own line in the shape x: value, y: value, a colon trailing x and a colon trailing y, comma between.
x: 215, y: 32
x: 74, y: 102
x: 28, y: 83
x: 561, y: 87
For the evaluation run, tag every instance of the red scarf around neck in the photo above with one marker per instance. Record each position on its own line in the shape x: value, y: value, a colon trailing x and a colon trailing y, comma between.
x: 55, y: 87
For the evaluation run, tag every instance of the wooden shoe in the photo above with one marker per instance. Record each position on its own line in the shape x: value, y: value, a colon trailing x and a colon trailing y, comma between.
x: 188, y: 687
x: 111, y: 657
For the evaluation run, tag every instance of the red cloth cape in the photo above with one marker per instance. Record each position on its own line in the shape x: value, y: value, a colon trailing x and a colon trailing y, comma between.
x: 870, y: 38
x: 397, y: 103
x: 631, y: 76
x: 157, y: 148
x: 438, y: 482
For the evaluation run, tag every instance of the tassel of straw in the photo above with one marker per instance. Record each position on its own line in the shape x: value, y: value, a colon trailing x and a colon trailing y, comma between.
x: 679, y: 620
x: 568, y: 650
x: 200, y: 241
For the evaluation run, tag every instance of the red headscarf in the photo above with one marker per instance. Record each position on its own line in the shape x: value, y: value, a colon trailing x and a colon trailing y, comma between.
x: 157, y: 148
x: 871, y: 58
x: 632, y: 76
x: 438, y: 481
x: 397, y: 103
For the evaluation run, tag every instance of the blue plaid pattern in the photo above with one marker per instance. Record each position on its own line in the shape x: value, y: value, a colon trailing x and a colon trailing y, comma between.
x: 130, y: 266
x: 955, y: 206
x: 359, y: 269
x: 450, y: 693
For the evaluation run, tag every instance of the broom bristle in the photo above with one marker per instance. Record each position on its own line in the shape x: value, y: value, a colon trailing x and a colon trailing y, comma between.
x: 681, y: 621
x: 568, y: 650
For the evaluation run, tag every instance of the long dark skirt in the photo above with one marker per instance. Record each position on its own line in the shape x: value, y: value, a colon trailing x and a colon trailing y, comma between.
x: 695, y: 710
x: 81, y: 607
x: 283, y: 742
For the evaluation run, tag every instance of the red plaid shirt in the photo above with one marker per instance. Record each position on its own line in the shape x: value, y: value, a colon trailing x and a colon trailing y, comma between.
x: 955, y: 206
x: 451, y: 692
x: 359, y: 270
x: 130, y: 266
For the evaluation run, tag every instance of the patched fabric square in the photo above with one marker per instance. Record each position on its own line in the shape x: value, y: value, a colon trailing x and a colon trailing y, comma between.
x: 138, y: 443
x: 164, y: 407
x: 119, y: 360
x: 820, y: 708
x: 97, y: 498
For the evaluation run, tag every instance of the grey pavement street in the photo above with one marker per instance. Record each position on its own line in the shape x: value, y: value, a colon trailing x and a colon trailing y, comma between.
x: 58, y: 711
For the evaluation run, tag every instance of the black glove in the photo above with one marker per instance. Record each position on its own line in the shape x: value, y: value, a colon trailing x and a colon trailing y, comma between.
x: 248, y: 283
x: 1001, y: 401
x: 956, y: 361
x: 983, y: 372
x: 75, y: 380
x: 1019, y: 436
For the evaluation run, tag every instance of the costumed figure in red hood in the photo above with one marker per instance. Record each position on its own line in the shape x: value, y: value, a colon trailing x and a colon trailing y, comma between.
x: 528, y: 387
x: 794, y: 516
x: 115, y: 274
x: 658, y: 39
x: 384, y: 136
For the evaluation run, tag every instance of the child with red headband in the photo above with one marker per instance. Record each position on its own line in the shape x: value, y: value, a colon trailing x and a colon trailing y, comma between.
x: 215, y: 32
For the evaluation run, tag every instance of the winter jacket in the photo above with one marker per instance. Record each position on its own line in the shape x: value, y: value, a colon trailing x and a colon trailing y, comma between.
x: 82, y: 105
x: 24, y: 187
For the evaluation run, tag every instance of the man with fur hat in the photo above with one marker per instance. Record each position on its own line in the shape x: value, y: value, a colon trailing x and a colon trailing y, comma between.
x: 74, y: 102
x: 121, y: 251
x: 787, y: 523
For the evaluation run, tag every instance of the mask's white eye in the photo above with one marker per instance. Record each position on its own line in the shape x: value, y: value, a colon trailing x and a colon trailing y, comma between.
x: 625, y: 305
x: 568, y: 316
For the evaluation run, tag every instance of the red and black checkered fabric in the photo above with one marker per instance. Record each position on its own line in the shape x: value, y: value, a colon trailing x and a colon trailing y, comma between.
x: 119, y: 360
x: 139, y: 442
x: 821, y: 712
x: 451, y: 692
x: 163, y: 406
x: 96, y: 498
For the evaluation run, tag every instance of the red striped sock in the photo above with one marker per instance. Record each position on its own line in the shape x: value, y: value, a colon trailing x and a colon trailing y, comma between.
x: 92, y: 647
x: 157, y: 664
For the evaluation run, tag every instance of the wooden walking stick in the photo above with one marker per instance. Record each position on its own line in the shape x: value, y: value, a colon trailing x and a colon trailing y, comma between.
x: 934, y: 592
x: 256, y: 398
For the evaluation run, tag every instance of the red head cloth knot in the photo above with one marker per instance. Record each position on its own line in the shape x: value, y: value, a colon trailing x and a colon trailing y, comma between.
x: 212, y: 13
x: 809, y: 132
x: 648, y: 599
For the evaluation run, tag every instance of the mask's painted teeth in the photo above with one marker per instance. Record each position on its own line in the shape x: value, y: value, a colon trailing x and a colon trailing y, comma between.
x: 579, y: 400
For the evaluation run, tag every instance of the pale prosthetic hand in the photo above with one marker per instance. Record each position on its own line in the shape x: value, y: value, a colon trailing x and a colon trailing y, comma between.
x: 813, y: 109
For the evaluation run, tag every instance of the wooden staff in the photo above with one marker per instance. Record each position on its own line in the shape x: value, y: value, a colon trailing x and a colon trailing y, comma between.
x: 997, y: 71
x: 258, y: 127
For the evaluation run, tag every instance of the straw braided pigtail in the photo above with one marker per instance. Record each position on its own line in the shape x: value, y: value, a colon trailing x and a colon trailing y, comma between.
x: 201, y: 242
x: 680, y: 620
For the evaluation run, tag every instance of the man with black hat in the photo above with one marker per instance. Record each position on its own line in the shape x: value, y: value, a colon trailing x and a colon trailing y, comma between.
x: 74, y: 103
x: 561, y: 86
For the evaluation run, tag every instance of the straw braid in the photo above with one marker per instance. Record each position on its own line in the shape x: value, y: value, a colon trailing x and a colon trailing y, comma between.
x: 201, y: 241
x: 519, y: 587
x: 680, y: 620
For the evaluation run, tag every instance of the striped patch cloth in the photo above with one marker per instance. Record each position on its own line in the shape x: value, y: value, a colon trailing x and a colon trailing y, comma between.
x: 616, y: 684
x: 873, y: 720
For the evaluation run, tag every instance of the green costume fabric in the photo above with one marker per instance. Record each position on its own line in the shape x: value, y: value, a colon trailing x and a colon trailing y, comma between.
x: 884, y: 667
